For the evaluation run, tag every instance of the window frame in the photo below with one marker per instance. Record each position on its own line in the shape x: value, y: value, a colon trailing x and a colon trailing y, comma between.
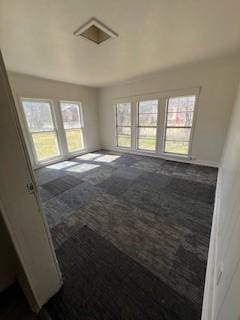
x: 58, y: 125
x: 138, y: 126
x: 192, y: 127
x: 28, y: 133
x: 162, y: 98
x: 79, y: 103
x: 116, y: 126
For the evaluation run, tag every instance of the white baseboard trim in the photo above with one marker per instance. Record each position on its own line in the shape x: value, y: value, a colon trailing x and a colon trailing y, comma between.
x: 141, y: 153
x: 212, y: 164
x: 64, y: 158
x: 168, y: 157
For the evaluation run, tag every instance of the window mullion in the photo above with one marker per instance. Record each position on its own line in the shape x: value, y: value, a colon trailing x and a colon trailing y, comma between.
x: 178, y: 127
x: 161, y: 124
x: 60, y: 129
x: 119, y: 123
x: 134, y: 120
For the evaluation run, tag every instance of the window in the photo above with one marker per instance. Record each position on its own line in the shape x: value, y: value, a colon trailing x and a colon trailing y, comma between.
x: 73, y: 126
x: 123, y: 125
x: 179, y: 119
x: 53, y: 131
x: 41, y: 127
x: 147, y: 125
x: 161, y: 124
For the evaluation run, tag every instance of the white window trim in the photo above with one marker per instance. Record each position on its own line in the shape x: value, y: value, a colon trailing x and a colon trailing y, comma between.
x: 159, y: 95
x: 132, y: 127
x: 74, y: 153
x: 192, y: 128
x: 162, y: 98
x: 57, y: 119
x: 137, y: 128
x: 28, y: 134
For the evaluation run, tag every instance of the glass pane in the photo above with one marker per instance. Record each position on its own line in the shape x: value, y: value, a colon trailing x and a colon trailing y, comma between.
x: 178, y: 134
x: 38, y: 115
x: 70, y: 115
x: 148, y: 106
x: 179, y: 104
x: 179, y: 147
x: 124, y: 114
x: 180, y: 119
x: 124, y: 141
x: 147, y: 132
x: 46, y: 145
x: 74, y: 140
x: 147, y: 119
x: 147, y: 144
x: 124, y: 131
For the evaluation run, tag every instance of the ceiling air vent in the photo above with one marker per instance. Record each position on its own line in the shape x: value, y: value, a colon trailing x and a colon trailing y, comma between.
x: 95, y: 31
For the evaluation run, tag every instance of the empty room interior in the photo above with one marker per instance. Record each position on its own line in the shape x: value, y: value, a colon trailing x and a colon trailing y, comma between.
x: 120, y: 160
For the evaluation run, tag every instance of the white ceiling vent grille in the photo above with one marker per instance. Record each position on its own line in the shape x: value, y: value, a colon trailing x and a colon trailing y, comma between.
x: 95, y: 31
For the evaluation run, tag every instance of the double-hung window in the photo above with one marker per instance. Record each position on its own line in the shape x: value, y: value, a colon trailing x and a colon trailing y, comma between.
x: 53, y: 131
x: 41, y: 126
x: 178, y: 125
x: 147, y: 125
x: 162, y: 124
x: 124, y: 124
x: 73, y: 125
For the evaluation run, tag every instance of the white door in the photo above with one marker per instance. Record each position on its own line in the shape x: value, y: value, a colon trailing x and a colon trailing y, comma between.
x: 19, y: 206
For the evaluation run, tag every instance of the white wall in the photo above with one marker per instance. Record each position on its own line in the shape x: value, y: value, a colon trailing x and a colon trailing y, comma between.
x: 33, y: 87
x: 223, y: 298
x: 218, y: 80
x: 7, y: 258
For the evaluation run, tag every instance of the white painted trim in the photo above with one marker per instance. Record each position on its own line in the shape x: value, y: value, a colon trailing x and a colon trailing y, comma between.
x: 136, y: 124
x: 212, y: 164
x: 159, y: 95
x: 148, y: 153
x: 161, y: 123
x: 189, y: 154
x: 36, y: 162
x: 22, y: 238
x: 95, y: 22
x: 66, y: 158
x: 194, y: 122
x: 58, y: 129
x: 131, y: 126
x: 208, y: 308
x: 82, y: 127
x: 166, y: 157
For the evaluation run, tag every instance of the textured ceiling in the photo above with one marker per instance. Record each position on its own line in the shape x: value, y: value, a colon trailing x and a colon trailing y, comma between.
x: 36, y: 37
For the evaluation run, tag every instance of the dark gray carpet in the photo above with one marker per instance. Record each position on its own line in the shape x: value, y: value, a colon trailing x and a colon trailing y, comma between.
x: 157, y: 212
x: 102, y: 283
